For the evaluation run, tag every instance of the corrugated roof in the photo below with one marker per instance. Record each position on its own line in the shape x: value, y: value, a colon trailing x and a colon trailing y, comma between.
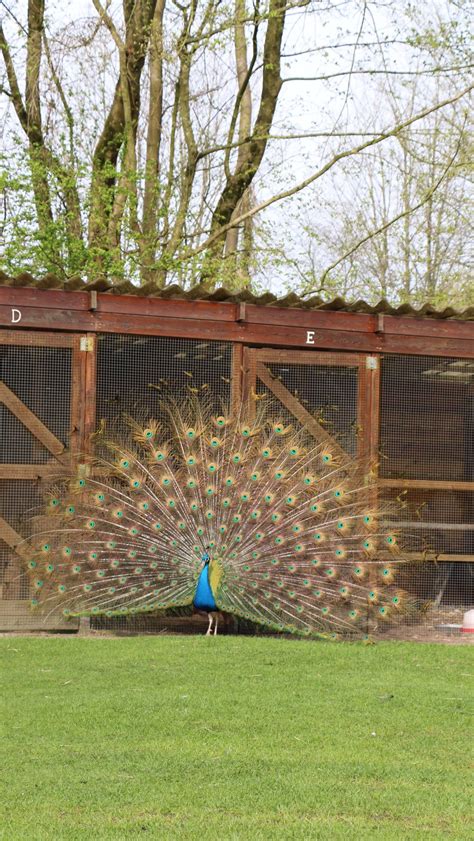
x: 200, y: 293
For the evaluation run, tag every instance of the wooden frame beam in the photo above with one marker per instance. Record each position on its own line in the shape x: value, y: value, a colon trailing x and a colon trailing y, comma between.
x: 29, y: 338
x: 11, y: 537
x: 434, y: 558
x: 258, y: 325
x: 426, y: 484
x: 426, y: 524
x: 89, y: 394
x: 308, y: 357
x: 33, y: 472
x: 368, y: 416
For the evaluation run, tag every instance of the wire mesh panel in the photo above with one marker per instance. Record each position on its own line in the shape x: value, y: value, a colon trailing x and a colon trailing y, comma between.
x: 443, y: 589
x: 427, y: 451
x: 136, y: 373
x: 35, y: 423
x: 19, y: 501
x: 440, y: 522
x: 328, y: 393
x: 41, y: 378
x: 319, y: 392
x: 427, y: 418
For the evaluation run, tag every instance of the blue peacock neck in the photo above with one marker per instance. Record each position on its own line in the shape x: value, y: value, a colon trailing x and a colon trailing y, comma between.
x: 203, y: 596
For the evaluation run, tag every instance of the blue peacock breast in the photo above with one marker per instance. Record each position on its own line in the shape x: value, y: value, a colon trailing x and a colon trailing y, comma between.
x: 203, y: 597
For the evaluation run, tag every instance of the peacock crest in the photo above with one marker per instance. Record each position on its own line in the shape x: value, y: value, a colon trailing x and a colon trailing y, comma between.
x: 283, y: 529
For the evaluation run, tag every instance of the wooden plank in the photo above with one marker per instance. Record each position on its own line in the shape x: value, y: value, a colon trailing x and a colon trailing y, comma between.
x: 308, y: 357
x: 89, y: 420
x: 77, y: 403
x: 256, y: 334
x: 361, y: 322
x: 374, y: 420
x: 52, y: 299
x: 429, y: 327
x: 426, y: 524
x: 32, y: 339
x: 33, y: 471
x: 427, y: 484
x: 369, y: 422
x: 228, y: 311
x: 432, y: 557
x: 250, y: 381
x: 363, y: 415
x: 236, y: 378
x: 35, y: 426
x: 294, y: 406
x: 25, y: 298
x: 12, y: 538
x: 309, y: 319
x: 168, y: 308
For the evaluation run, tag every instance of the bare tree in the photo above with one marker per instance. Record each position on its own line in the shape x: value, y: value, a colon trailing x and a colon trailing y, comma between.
x: 156, y: 139
x: 401, y: 226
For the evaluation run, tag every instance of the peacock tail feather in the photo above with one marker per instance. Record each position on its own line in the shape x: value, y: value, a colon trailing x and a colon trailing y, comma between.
x: 293, y: 539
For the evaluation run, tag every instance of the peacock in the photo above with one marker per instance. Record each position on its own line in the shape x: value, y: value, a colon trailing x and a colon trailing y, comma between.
x: 239, y: 513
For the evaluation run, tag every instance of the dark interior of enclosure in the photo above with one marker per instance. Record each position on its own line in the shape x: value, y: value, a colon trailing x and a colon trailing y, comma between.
x: 438, y: 585
x: 436, y: 521
x: 135, y: 374
x: 427, y: 433
x: 427, y: 418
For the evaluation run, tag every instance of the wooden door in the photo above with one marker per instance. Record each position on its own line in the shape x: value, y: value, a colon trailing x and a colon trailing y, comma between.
x: 334, y: 395
x: 41, y: 433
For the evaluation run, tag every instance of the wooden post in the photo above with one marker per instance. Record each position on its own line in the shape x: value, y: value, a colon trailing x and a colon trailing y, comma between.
x: 249, y: 380
x: 237, y: 384
x: 369, y: 439
x: 77, y: 404
x: 89, y: 392
x: 369, y: 414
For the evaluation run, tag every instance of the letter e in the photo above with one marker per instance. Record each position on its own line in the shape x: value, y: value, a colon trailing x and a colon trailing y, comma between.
x: 310, y: 337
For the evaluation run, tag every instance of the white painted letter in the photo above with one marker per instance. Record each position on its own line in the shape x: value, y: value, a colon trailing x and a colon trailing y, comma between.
x: 16, y: 316
x: 310, y: 337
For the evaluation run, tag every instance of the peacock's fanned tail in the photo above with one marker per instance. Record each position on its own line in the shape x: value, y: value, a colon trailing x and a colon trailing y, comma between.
x: 294, y: 542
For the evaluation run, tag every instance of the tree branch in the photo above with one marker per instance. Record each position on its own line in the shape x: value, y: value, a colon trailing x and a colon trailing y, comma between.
x: 216, y: 234
x: 405, y: 213
x: 429, y: 71
x: 15, y: 93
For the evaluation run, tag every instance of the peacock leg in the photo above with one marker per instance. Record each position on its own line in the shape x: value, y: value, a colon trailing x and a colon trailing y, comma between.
x: 216, y: 617
x: 208, y: 632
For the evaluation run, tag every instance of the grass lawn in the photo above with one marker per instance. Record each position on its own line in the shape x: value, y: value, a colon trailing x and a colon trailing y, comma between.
x: 233, y: 738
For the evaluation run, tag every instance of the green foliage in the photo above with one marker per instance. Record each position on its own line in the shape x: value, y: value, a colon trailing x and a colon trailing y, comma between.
x: 233, y: 738
x: 32, y: 239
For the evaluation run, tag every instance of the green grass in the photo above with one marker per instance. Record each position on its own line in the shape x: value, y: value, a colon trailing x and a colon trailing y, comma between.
x: 233, y: 738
